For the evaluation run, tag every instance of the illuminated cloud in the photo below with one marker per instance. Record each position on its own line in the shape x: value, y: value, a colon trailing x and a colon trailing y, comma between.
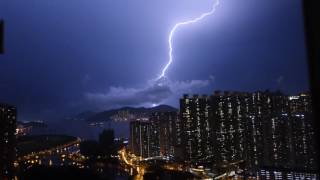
x: 154, y: 93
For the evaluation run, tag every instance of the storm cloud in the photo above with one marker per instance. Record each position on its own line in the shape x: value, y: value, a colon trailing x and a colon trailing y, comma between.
x: 155, y: 92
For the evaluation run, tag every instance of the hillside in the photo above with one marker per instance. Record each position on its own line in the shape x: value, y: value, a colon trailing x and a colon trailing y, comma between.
x: 127, y: 113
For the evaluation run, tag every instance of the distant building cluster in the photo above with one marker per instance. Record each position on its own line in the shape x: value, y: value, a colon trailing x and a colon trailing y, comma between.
x: 23, y: 130
x: 127, y: 115
x: 253, y: 131
x: 30, y: 128
x: 123, y: 116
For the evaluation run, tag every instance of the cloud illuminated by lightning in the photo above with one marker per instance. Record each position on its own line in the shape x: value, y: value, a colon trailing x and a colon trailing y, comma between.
x: 180, y: 24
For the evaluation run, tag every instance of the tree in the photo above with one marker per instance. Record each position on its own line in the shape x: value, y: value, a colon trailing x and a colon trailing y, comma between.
x: 89, y: 148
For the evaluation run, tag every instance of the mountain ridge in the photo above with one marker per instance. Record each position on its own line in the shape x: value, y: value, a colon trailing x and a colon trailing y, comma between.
x: 126, y: 112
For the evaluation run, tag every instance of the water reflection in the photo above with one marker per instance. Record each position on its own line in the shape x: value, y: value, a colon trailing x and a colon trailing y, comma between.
x: 84, y: 130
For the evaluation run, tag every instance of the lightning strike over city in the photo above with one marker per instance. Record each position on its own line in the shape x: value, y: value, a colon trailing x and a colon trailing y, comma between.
x: 174, y: 29
x: 159, y: 89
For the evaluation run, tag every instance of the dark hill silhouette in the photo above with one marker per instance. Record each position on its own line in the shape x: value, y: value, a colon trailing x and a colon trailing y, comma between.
x: 139, y: 111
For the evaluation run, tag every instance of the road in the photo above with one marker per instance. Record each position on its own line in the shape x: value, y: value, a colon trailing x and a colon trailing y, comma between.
x: 66, y: 154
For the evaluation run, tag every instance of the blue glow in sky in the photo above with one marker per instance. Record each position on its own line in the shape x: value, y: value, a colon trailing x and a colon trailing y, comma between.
x: 63, y: 57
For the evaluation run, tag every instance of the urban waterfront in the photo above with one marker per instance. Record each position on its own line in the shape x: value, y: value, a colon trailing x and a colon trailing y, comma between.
x: 161, y: 89
x: 220, y: 136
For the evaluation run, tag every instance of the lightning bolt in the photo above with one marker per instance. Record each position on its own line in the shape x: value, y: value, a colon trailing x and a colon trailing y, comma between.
x: 180, y: 24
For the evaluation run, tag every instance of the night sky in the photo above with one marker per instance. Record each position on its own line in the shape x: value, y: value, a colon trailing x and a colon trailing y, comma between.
x: 63, y: 57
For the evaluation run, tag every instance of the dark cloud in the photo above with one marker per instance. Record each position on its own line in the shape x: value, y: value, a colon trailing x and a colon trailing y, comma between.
x: 155, y: 92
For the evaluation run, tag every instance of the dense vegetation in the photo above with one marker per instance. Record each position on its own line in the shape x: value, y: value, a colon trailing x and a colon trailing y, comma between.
x: 106, y: 145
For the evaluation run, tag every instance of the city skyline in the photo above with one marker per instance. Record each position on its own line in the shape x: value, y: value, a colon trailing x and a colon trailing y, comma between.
x: 240, y: 135
x: 65, y: 62
x: 245, y: 135
x: 161, y: 89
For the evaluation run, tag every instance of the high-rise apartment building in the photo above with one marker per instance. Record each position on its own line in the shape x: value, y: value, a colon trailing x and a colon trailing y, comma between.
x: 140, y: 130
x: 194, y: 118
x: 164, y: 132
x: 1, y: 36
x: 260, y: 129
x: 228, y: 128
x: 155, y: 136
x: 8, y: 115
x: 303, y: 150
